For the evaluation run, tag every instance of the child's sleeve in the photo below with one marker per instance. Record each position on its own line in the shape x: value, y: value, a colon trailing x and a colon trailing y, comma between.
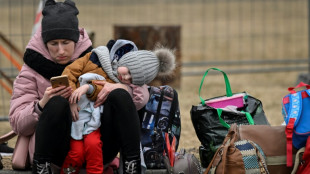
x: 96, y: 89
x: 75, y: 70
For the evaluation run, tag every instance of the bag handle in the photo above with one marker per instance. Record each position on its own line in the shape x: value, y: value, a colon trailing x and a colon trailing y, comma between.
x: 228, y: 89
x: 301, y: 84
x: 247, y: 114
x: 297, y: 159
x: 230, y: 138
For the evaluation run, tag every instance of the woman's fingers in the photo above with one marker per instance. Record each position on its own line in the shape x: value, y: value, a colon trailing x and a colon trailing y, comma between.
x: 62, y: 91
x: 66, y: 93
x: 100, y: 100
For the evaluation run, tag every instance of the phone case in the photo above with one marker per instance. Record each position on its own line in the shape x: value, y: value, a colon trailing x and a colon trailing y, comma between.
x: 59, y: 81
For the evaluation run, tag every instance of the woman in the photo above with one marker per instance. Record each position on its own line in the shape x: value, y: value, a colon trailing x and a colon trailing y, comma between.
x: 39, y: 111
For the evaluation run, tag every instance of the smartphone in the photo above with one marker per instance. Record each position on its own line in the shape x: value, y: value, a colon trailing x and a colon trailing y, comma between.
x: 59, y: 81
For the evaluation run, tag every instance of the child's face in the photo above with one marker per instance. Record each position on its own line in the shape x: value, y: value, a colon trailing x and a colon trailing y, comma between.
x: 124, y: 75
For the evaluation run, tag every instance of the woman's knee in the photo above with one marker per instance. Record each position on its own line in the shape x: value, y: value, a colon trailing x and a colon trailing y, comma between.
x: 57, y: 103
x: 119, y: 95
x: 121, y: 100
x: 57, y: 109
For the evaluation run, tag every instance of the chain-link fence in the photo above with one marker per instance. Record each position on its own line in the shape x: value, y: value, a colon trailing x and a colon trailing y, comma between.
x: 243, y: 35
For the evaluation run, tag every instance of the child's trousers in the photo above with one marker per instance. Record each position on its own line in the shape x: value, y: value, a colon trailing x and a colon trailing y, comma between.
x: 88, y: 150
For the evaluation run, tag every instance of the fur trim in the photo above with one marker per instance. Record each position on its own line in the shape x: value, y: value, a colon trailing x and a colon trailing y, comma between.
x: 166, y: 59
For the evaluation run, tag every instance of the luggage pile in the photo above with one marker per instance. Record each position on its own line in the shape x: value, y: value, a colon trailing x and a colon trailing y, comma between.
x: 237, y: 138
x: 234, y: 132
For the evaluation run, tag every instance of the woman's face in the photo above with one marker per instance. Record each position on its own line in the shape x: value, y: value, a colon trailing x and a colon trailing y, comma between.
x: 61, y: 50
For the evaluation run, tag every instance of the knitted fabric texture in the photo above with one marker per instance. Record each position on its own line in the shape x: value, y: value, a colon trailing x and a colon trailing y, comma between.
x: 60, y: 21
x: 104, y: 59
x: 143, y: 66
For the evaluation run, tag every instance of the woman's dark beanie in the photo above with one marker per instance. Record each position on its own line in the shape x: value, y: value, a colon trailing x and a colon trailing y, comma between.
x: 60, y: 21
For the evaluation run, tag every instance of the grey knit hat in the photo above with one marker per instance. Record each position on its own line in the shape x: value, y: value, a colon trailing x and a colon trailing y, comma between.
x: 145, y: 65
x: 60, y: 21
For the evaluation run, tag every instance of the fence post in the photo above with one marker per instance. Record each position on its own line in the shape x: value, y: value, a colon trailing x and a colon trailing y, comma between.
x: 145, y: 37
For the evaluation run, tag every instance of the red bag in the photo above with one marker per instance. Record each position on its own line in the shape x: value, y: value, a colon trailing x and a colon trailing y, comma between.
x: 304, y: 166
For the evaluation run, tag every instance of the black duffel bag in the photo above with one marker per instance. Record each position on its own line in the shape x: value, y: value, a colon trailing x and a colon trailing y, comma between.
x: 212, y: 118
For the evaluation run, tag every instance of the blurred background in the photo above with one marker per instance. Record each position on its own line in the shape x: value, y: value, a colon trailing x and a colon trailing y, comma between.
x: 262, y: 45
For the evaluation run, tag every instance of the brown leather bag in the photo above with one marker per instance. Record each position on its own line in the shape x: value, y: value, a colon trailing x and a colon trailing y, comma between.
x: 272, y: 140
x: 236, y: 156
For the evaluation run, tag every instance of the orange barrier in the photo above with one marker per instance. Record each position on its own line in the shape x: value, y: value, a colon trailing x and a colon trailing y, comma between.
x: 8, y: 89
x: 10, y: 57
x: 7, y: 78
x: 10, y: 44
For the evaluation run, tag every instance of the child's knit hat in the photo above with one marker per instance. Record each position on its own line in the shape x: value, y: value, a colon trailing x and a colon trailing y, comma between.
x: 60, y: 21
x: 145, y: 65
x: 112, y: 53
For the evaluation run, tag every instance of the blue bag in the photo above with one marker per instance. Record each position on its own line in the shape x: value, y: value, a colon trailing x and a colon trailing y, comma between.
x: 296, y: 112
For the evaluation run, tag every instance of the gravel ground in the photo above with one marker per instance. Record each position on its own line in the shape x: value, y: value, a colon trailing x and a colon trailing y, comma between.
x: 6, y: 161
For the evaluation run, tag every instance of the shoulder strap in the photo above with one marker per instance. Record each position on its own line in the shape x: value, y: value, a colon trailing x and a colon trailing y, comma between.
x: 291, y: 121
x: 295, y: 107
x: 158, y: 107
x: 173, y: 108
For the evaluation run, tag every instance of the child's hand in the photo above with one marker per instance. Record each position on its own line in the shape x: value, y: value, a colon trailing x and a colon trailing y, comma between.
x: 76, y: 95
x: 74, y: 111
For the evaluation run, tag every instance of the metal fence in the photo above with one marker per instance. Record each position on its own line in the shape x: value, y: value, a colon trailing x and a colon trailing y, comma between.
x: 244, y: 36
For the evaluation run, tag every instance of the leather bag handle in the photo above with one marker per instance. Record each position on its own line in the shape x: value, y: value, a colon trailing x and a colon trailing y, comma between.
x: 230, y: 138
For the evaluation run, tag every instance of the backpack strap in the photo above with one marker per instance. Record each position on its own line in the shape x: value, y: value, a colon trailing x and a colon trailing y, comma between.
x: 173, y: 108
x: 161, y: 98
x: 291, y: 121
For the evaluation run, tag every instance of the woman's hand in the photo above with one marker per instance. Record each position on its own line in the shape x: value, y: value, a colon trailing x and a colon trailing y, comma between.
x: 51, y: 92
x: 105, y: 91
x: 76, y: 95
x: 74, y: 111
